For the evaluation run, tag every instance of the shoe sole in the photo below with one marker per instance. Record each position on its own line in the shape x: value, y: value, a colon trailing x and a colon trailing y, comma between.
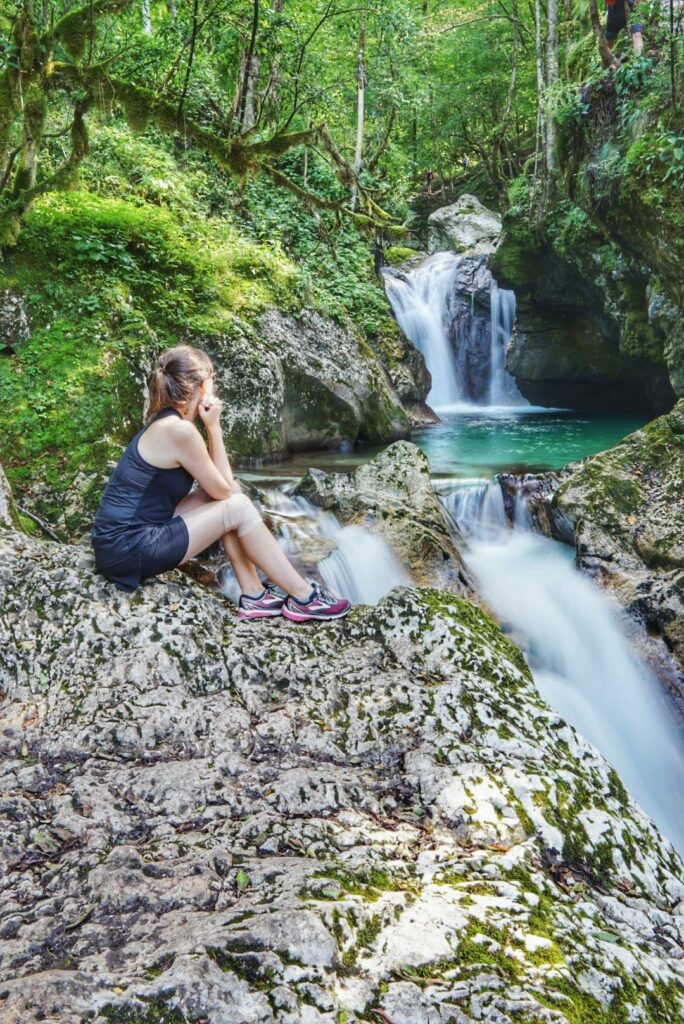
x: 303, y: 617
x: 259, y: 615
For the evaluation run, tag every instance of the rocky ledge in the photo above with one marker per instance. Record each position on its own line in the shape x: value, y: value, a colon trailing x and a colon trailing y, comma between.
x: 378, y: 819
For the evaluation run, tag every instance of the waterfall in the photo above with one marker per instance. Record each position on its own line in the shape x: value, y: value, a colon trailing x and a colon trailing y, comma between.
x: 476, y: 507
x: 435, y: 306
x: 352, y: 561
x: 502, y: 387
x: 580, y: 657
x: 420, y: 301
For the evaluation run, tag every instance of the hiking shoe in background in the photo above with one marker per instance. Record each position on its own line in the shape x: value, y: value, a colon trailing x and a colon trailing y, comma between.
x: 321, y: 604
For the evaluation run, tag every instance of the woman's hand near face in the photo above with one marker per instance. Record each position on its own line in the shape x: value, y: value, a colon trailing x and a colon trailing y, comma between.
x: 210, y: 410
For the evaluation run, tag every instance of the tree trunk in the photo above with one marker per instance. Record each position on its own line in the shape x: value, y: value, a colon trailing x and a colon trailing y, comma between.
x: 250, y: 66
x: 673, y: 57
x: 435, y: 143
x: 551, y: 79
x: 269, y: 98
x: 305, y: 175
x: 360, y: 109
x: 146, y: 17
x: 540, y: 142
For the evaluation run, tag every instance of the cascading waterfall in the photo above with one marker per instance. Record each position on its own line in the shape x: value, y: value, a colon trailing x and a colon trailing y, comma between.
x: 581, y: 660
x: 420, y: 300
x: 464, y: 350
x: 502, y: 387
x: 351, y: 560
x: 475, y: 507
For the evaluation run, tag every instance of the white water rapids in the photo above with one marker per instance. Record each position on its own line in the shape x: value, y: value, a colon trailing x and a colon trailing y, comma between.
x: 352, y: 561
x: 581, y: 659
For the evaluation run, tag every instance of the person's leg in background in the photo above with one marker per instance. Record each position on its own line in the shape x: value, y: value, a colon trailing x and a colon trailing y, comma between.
x: 637, y: 38
x: 615, y: 22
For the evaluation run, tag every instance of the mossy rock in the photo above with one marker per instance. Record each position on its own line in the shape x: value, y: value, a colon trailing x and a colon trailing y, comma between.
x: 395, y: 255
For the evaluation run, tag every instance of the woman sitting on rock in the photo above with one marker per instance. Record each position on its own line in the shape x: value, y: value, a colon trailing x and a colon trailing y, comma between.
x: 148, y: 522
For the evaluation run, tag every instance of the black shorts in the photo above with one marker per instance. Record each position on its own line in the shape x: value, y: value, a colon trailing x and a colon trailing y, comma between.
x: 144, y: 551
x: 616, y: 20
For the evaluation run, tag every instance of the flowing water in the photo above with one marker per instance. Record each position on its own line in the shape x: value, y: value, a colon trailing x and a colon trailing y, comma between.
x: 352, y: 561
x: 577, y: 648
x: 420, y: 302
x: 503, y: 390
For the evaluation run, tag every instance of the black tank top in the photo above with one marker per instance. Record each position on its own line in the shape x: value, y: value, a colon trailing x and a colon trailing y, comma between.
x: 137, y: 496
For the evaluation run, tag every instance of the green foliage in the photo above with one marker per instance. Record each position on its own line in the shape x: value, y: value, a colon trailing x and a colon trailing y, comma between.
x: 108, y: 283
x: 568, y: 227
x: 395, y: 255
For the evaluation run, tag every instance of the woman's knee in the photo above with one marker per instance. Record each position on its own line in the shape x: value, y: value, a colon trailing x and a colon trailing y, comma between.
x: 239, y: 514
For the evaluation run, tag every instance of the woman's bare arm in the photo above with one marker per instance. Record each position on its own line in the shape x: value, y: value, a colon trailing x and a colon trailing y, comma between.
x: 192, y: 454
x: 217, y: 452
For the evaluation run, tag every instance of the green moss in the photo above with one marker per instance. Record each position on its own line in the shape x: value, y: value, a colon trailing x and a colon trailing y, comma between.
x: 72, y: 31
x: 582, y: 57
x: 155, y: 1011
x: 369, y: 884
x: 395, y: 255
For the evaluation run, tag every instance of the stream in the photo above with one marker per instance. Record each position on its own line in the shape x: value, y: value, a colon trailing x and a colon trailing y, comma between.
x: 573, y: 637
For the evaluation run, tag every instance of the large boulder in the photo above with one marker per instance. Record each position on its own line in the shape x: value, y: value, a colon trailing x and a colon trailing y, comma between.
x: 392, y: 495
x: 334, y: 390
x: 208, y: 820
x: 465, y: 227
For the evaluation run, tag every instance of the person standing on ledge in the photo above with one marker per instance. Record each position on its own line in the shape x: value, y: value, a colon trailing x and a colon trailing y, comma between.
x: 617, y: 18
x: 148, y: 522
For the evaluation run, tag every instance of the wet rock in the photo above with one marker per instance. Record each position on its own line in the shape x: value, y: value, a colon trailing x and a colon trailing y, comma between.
x: 208, y: 819
x: 588, y: 331
x: 466, y: 227
x: 407, y: 372
x: 301, y: 382
x: 531, y: 495
x: 392, y: 495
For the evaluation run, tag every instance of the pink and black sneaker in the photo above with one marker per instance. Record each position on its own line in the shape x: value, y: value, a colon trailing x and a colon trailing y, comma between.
x: 320, y: 605
x: 263, y: 606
